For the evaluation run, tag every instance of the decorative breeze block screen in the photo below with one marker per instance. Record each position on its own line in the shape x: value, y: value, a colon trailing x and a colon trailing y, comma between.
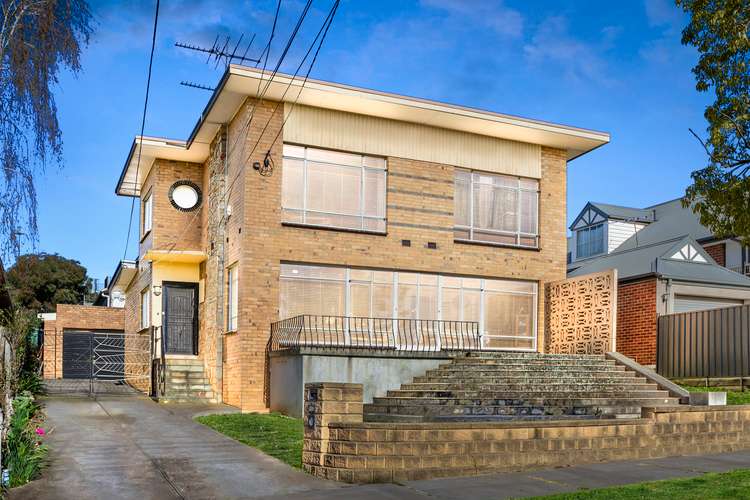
x: 581, y: 314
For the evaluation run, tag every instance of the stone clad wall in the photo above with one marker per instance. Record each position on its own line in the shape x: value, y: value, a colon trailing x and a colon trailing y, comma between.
x: 340, y: 447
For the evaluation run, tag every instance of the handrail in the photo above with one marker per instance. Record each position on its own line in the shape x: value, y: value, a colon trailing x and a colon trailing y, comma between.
x: 396, y: 334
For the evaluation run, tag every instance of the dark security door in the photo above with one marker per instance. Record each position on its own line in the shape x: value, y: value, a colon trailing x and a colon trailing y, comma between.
x: 180, y: 319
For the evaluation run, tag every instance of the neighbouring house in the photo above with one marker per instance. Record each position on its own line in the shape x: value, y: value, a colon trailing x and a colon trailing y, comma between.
x: 338, y: 216
x: 601, y: 228
x: 666, y: 261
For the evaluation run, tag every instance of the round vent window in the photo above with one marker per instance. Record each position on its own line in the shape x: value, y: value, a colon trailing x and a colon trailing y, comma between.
x: 185, y: 195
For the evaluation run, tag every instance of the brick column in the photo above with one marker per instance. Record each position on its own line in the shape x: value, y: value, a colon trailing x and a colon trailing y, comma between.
x: 325, y: 403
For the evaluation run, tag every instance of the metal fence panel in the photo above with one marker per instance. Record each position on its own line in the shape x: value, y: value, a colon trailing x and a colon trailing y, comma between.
x: 704, y: 344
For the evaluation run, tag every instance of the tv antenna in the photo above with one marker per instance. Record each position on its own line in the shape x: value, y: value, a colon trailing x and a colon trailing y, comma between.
x: 197, y: 86
x: 220, y: 51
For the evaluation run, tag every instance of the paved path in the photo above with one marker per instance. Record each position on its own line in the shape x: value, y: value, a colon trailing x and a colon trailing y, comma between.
x: 539, y: 482
x: 131, y: 447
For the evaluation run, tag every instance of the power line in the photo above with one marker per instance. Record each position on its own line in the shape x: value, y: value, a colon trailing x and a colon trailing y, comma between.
x: 143, y: 126
x: 329, y: 20
x: 324, y: 29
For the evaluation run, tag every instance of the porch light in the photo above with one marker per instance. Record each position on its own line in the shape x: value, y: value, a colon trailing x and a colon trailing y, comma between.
x: 157, y: 290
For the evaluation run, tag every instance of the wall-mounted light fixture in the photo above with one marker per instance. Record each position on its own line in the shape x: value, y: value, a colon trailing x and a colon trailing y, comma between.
x: 157, y: 290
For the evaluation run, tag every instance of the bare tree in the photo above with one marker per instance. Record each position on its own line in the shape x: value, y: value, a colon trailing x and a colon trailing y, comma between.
x: 38, y: 38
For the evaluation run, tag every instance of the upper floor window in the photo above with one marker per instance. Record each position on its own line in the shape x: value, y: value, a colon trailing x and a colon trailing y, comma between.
x: 333, y: 189
x: 232, y: 298
x: 590, y: 241
x: 148, y: 212
x: 498, y: 209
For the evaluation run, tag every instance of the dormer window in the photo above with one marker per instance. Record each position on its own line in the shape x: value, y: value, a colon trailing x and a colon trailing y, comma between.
x: 590, y: 241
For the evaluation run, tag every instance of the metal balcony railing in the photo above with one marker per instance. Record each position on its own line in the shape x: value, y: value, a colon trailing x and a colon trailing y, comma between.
x: 343, y: 332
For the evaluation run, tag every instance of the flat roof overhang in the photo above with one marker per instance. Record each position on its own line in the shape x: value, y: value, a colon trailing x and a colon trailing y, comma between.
x: 239, y: 82
x: 175, y: 256
x: 124, y: 274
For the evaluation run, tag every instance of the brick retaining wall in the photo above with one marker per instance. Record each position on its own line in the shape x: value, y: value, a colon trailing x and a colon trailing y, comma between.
x: 339, y: 446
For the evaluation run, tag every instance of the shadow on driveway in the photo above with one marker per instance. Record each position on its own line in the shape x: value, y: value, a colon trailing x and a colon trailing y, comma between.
x: 131, y: 447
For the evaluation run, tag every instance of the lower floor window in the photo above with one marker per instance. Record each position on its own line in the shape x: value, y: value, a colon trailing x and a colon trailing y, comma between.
x: 504, y: 309
x: 145, y: 308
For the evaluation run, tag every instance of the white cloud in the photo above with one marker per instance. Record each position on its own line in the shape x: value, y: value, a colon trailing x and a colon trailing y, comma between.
x: 553, y: 44
x: 492, y: 14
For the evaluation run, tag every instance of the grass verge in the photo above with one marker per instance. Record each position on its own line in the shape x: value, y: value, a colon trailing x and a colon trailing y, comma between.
x: 734, y: 485
x: 273, y: 434
x: 733, y: 397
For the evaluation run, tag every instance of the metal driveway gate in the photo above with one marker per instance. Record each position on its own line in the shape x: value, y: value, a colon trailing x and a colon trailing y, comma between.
x: 104, y: 362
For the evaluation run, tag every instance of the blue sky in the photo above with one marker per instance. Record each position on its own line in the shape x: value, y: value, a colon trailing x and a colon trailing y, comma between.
x: 620, y: 69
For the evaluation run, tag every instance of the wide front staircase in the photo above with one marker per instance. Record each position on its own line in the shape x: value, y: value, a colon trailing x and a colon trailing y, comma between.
x: 485, y: 386
x: 185, y: 381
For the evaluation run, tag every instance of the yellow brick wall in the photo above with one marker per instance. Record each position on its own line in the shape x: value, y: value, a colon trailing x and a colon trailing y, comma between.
x: 414, y: 188
x: 420, y: 209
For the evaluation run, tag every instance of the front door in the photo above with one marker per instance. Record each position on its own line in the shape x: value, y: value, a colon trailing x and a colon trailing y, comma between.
x: 180, y: 317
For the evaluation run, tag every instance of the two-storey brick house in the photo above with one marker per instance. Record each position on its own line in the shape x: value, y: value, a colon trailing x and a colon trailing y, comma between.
x: 327, y: 200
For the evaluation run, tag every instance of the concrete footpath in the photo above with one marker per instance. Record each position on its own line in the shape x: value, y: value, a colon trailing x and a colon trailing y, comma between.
x: 539, y: 482
x: 130, y: 447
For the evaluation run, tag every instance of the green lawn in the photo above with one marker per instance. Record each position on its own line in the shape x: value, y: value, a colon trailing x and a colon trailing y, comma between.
x: 734, y: 485
x: 733, y: 397
x: 273, y: 434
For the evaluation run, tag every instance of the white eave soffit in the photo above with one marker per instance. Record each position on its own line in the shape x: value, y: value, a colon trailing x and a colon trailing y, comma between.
x: 240, y: 82
x: 243, y: 81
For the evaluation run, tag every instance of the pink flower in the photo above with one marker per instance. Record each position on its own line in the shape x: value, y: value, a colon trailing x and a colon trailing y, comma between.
x: 40, y: 431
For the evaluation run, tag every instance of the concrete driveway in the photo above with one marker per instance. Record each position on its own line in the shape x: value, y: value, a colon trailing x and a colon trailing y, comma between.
x: 130, y: 447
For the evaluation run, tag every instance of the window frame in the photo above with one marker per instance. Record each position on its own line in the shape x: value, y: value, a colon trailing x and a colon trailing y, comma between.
x: 440, y: 286
x: 518, y: 234
x: 145, y: 320
x: 233, y: 286
x: 589, y: 243
x: 148, y: 214
x: 362, y: 168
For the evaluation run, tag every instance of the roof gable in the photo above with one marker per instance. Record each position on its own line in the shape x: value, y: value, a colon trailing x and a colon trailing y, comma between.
x: 589, y: 216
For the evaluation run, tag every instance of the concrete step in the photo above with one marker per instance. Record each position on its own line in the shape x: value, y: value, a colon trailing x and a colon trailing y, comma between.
x: 188, y: 399
x: 546, y: 359
x: 558, y: 410
x: 538, y: 398
x: 172, y: 393
x: 494, y: 390
x: 184, y: 368
x: 466, y: 367
x: 389, y: 417
x: 181, y: 377
x: 535, y: 379
x: 526, y: 355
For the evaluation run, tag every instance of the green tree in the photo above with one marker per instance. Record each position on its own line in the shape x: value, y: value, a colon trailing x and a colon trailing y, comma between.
x: 38, y: 38
x: 720, y: 193
x: 40, y: 281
